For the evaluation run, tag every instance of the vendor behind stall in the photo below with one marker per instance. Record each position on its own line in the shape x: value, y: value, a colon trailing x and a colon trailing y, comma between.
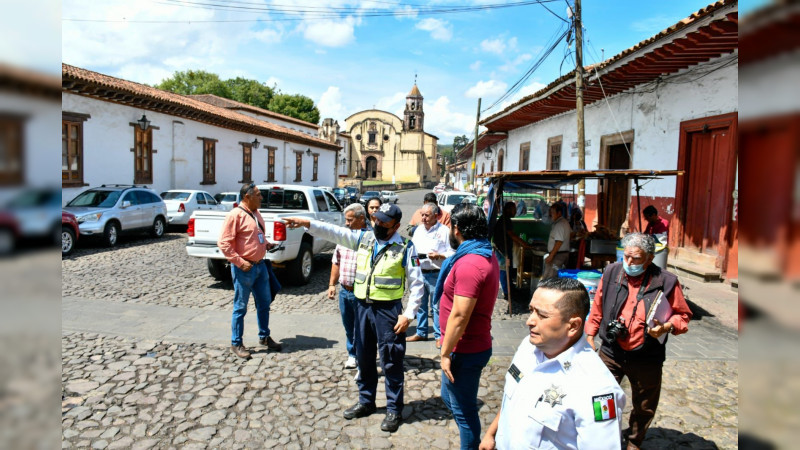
x: 503, y: 240
x: 558, y: 243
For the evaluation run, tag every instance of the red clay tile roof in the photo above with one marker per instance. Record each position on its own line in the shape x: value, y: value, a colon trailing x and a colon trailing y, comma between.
x: 637, y: 65
x: 29, y: 82
x: 104, y: 87
x: 223, y: 102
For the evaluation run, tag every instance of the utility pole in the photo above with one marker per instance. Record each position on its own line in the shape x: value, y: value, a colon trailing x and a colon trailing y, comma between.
x: 475, y: 146
x: 579, y: 102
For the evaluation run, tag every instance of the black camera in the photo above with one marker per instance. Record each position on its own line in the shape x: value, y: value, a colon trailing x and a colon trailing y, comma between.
x: 616, y: 329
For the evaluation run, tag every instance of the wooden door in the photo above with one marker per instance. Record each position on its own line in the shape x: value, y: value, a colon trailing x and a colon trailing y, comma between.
x: 617, y: 192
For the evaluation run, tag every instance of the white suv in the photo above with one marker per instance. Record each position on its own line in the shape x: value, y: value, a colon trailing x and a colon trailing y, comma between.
x: 448, y: 199
x: 388, y: 197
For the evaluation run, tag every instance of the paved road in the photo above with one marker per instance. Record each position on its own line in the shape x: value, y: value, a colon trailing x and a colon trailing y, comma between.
x: 145, y: 364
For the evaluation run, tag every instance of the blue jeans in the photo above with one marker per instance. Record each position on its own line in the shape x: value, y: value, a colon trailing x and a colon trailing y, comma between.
x: 422, y: 314
x: 256, y: 280
x: 461, y: 396
x: 347, y: 306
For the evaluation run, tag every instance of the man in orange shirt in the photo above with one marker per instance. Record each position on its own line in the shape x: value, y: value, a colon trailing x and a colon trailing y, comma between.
x: 629, y: 347
x: 443, y: 217
x: 244, y: 244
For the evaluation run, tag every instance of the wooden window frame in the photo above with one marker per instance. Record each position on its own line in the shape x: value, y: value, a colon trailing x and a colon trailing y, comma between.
x: 271, y: 164
x: 74, y: 119
x: 298, y: 170
x: 315, y: 169
x: 209, y: 159
x: 524, y: 156
x: 12, y: 128
x: 139, y: 135
x: 552, y: 142
x: 247, y: 162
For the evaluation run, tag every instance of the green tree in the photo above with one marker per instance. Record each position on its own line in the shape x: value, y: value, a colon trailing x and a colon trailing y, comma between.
x: 459, y: 142
x: 297, y: 106
x: 251, y: 92
x: 193, y: 82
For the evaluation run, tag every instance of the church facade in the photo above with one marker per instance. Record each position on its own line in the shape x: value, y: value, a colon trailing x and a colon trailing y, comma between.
x: 390, y: 149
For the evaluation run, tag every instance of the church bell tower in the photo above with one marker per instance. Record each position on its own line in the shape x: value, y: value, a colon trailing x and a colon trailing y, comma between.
x: 413, y: 116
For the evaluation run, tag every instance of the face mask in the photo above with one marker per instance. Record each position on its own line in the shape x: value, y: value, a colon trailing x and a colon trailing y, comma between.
x: 381, y: 233
x: 634, y: 270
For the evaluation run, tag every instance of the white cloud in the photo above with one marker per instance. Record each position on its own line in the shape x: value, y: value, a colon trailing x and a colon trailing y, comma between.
x: 394, y: 103
x: 330, y: 104
x: 330, y: 33
x: 487, y: 89
x: 273, y: 81
x: 499, y: 45
x: 406, y: 12
x: 652, y: 25
x: 448, y: 123
x: 143, y: 73
x: 511, y: 66
x: 526, y: 90
x: 267, y: 35
x: 475, y: 66
x: 441, y: 30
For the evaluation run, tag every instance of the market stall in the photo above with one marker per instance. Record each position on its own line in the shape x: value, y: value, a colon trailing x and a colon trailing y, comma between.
x: 593, y: 249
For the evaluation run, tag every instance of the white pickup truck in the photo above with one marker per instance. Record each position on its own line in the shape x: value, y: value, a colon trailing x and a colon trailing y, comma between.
x: 296, y: 249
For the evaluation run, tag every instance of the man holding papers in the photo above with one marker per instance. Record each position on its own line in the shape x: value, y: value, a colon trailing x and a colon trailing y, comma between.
x: 636, y: 305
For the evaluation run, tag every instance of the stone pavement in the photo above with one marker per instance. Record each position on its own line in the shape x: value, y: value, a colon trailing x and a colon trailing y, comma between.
x: 145, y: 364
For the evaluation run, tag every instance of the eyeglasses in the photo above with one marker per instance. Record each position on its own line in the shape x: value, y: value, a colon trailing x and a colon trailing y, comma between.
x: 250, y: 187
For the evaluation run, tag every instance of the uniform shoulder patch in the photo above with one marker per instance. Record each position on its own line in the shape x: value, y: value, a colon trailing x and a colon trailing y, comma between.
x: 604, y: 407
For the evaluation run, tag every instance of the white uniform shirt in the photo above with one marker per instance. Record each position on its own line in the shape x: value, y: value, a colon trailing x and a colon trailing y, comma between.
x: 560, y: 231
x: 554, y: 403
x: 350, y: 238
x: 437, y: 239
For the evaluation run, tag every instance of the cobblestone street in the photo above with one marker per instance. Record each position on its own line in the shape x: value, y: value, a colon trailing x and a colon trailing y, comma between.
x: 127, y: 391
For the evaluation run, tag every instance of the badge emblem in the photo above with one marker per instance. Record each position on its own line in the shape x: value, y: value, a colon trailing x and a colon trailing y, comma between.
x: 385, y: 208
x: 553, y: 395
x: 567, y: 365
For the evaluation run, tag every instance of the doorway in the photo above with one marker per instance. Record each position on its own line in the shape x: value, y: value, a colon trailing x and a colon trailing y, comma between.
x: 616, y: 152
x: 372, y: 167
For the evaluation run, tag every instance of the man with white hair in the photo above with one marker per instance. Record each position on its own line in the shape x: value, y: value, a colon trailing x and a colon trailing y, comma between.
x: 632, y: 346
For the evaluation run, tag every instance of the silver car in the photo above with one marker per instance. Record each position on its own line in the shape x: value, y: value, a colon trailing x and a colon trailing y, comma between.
x: 108, y: 211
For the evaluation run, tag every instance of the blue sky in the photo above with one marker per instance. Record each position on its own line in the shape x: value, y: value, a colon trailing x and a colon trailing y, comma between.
x: 354, y: 62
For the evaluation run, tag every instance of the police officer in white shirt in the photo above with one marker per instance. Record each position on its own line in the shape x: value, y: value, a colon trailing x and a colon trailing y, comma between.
x: 558, y: 393
x: 432, y: 241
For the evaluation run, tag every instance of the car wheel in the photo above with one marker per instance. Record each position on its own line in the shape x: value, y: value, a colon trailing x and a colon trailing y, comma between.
x: 6, y: 241
x: 111, y: 234
x: 158, y: 227
x: 299, y: 270
x: 67, y: 240
x: 220, y: 269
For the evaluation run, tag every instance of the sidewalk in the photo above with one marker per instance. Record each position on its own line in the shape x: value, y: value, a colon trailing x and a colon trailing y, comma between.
x: 708, y: 338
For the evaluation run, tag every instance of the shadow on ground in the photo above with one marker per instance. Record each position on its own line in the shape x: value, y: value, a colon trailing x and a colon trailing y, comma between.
x: 665, y: 438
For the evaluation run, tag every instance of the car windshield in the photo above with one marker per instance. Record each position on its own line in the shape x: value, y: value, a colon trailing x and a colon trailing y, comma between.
x: 283, y: 199
x: 30, y: 199
x: 97, y: 199
x: 339, y: 191
x: 175, y: 195
x: 352, y: 189
x: 369, y: 194
x: 456, y: 198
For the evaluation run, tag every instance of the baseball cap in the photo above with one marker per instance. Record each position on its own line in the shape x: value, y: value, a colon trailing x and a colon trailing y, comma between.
x: 388, y: 212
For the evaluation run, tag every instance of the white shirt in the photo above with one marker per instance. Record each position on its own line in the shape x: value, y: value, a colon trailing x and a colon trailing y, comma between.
x: 560, y: 231
x: 437, y: 239
x: 575, y: 379
x: 350, y: 238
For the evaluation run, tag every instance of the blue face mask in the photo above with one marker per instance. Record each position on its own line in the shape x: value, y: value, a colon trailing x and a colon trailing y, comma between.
x: 634, y: 270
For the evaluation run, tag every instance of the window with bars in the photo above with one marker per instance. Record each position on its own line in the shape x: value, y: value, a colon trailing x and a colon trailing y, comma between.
x: 298, y: 174
x: 209, y: 160
x: 524, y: 155
x: 316, y: 168
x: 554, y: 153
x: 142, y: 155
x: 72, y: 149
x: 271, y: 164
x: 247, y: 163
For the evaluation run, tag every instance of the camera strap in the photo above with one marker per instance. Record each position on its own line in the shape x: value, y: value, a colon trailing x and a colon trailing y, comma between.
x: 639, y: 296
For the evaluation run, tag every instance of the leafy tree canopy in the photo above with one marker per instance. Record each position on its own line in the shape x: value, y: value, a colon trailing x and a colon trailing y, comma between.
x: 251, y: 92
x: 298, y: 106
x: 194, y: 82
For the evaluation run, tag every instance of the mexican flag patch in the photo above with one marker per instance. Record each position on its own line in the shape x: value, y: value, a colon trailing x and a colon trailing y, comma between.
x: 415, y: 261
x: 604, y: 408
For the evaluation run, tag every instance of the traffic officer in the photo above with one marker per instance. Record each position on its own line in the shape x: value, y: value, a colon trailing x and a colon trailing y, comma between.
x: 385, y: 265
x: 576, y: 401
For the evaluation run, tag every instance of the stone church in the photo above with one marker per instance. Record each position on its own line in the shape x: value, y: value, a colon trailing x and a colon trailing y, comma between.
x: 390, y: 149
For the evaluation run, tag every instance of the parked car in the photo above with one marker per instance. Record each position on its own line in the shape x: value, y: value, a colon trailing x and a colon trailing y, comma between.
x: 181, y: 203
x: 353, y: 195
x: 389, y: 197
x: 294, y: 256
x: 341, y: 196
x: 69, y: 232
x: 448, y: 199
x: 9, y: 232
x: 107, y: 211
x: 228, y: 200
x: 368, y: 195
x: 439, y: 188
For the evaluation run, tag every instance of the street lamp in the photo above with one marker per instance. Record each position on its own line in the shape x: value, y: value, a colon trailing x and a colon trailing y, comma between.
x: 488, y: 152
x: 308, y: 152
x: 143, y: 123
x: 256, y: 143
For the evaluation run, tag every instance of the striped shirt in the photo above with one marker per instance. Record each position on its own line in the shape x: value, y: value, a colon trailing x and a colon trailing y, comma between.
x: 346, y: 260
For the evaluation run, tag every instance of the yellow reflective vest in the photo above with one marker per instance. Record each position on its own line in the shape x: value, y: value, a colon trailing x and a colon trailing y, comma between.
x: 386, y: 280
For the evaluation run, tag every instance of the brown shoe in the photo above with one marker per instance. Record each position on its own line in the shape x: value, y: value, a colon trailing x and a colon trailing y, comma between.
x: 241, y: 351
x: 439, y: 343
x: 416, y: 338
x: 270, y: 344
